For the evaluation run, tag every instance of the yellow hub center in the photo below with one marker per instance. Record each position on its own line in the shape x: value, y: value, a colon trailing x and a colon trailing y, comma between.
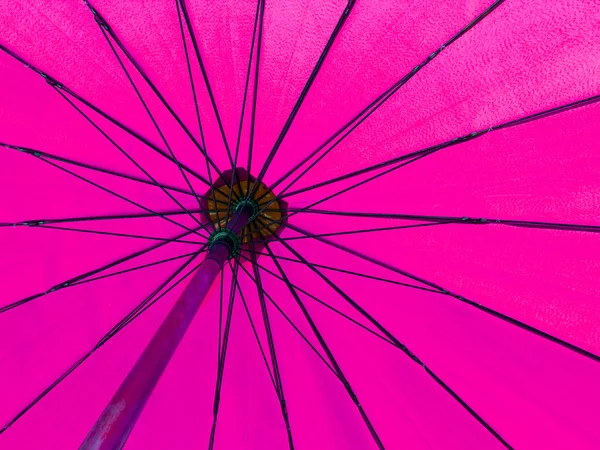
x: 263, y: 225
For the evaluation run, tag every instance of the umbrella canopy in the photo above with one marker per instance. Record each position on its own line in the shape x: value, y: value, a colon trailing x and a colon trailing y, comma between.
x: 417, y: 183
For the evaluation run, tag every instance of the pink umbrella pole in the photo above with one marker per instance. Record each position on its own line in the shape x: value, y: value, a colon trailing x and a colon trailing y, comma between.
x: 118, y: 419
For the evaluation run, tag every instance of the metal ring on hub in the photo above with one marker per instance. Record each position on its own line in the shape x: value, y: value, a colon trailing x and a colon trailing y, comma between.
x: 247, y: 203
x: 229, y: 238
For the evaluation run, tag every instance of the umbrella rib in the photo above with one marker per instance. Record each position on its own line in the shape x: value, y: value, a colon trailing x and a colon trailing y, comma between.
x: 325, y: 347
x: 132, y: 269
x: 442, y: 290
x: 139, y: 96
x: 54, y: 83
x: 197, y: 109
x: 104, y: 26
x: 264, y: 356
x: 205, y: 76
x: 349, y: 272
x: 203, y: 227
x: 239, y: 136
x: 366, y: 230
x: 401, y: 346
x: 32, y: 151
x: 316, y: 299
x: 222, y: 356
x: 250, y: 190
x: 335, y: 194
x: 271, y: 341
x: 110, y: 233
x: 379, y: 101
x: 261, y: 4
x: 305, y: 90
x: 36, y: 222
x: 72, y: 281
x: 267, y: 324
x: 147, y: 302
x: 130, y: 158
x: 462, y: 220
x: 285, y: 316
x: 459, y: 140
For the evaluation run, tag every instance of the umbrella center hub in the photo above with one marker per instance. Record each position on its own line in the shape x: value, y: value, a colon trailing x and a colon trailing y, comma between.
x: 225, y: 200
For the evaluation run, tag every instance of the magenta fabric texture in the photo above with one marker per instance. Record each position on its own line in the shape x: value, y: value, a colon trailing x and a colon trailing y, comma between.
x: 496, y: 300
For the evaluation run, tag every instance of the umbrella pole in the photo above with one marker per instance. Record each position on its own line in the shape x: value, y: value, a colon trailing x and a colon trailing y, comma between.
x: 118, y: 419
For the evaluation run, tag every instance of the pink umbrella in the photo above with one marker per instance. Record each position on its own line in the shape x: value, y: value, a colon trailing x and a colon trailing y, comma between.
x: 299, y: 224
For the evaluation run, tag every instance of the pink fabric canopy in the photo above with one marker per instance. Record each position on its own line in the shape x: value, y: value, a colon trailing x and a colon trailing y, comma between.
x: 440, y: 164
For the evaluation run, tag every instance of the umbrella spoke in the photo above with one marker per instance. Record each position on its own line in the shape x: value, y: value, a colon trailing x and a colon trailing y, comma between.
x: 58, y: 85
x: 181, y: 3
x: 130, y: 158
x: 316, y: 299
x: 132, y: 269
x: 197, y: 109
x: 110, y: 233
x: 413, y: 156
x: 106, y: 28
x: 239, y: 136
x: 223, y: 354
x: 375, y: 104
x: 36, y: 222
x: 367, y: 230
x: 72, y: 281
x: 335, y: 194
x: 32, y: 151
x: 157, y: 214
x: 325, y: 347
x: 139, y: 95
x: 399, y: 345
x: 145, y: 304
x: 461, y: 220
x: 261, y: 4
x: 266, y: 323
x: 271, y: 341
x: 442, y: 290
x: 291, y: 322
x: 255, y: 332
x: 349, y: 272
x: 304, y: 93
